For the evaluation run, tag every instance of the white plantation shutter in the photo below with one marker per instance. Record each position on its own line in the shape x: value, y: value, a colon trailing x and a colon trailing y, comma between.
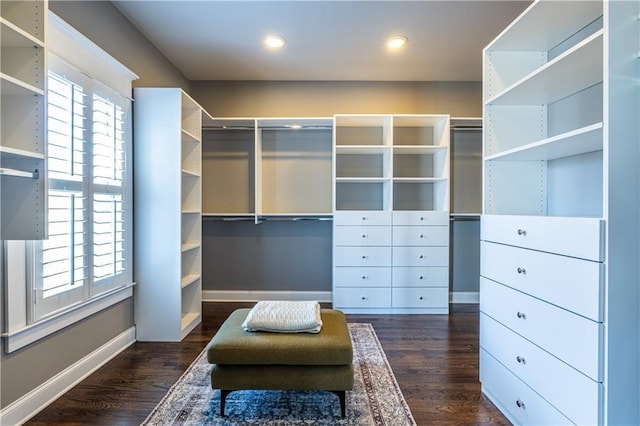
x: 88, y: 246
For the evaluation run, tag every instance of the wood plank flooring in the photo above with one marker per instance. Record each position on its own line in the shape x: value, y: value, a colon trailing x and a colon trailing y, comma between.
x: 434, y: 359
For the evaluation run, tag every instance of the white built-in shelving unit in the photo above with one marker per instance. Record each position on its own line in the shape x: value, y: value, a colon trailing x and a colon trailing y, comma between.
x: 559, y: 293
x: 391, y: 213
x: 268, y: 168
x: 23, y: 74
x: 167, y: 206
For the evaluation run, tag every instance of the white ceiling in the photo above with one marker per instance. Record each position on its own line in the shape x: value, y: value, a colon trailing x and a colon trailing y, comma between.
x: 326, y: 40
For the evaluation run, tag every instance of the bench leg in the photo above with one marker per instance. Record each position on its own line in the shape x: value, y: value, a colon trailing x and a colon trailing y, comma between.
x: 343, y: 402
x: 223, y: 400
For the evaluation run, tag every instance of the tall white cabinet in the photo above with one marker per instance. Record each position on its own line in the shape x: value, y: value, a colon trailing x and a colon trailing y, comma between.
x: 167, y: 213
x: 23, y: 74
x: 559, y: 287
x: 391, y: 214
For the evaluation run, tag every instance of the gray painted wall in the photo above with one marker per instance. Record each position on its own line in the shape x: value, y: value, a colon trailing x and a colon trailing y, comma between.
x: 26, y: 369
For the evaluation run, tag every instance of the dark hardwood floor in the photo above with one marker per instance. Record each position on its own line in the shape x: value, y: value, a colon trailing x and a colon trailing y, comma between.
x: 434, y: 358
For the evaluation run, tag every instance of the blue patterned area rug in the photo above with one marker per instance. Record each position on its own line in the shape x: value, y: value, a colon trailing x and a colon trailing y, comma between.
x: 376, y: 398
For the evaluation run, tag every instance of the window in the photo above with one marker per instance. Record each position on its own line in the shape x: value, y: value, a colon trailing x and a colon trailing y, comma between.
x: 85, y: 264
x: 86, y: 252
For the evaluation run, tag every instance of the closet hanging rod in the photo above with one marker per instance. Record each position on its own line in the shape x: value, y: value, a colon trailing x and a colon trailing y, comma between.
x: 20, y: 173
x: 466, y: 127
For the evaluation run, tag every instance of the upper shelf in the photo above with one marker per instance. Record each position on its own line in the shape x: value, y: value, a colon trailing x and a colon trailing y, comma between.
x: 559, y: 19
x: 576, y: 142
x: 14, y: 36
x: 576, y: 69
x: 13, y: 153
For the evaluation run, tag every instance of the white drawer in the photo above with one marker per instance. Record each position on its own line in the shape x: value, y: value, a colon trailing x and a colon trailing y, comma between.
x: 362, y: 256
x: 420, y: 297
x: 420, y: 235
x: 576, y: 236
x: 421, y: 256
x: 572, y: 283
x: 435, y: 217
x: 570, y: 337
x: 571, y: 392
x: 345, y: 276
x: 522, y: 405
x: 362, y: 235
x: 345, y: 297
x: 363, y: 217
x: 415, y: 276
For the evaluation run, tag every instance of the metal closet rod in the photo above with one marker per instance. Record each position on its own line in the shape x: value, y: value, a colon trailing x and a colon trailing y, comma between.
x: 291, y: 127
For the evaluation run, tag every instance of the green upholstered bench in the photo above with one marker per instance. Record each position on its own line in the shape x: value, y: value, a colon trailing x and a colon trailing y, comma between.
x: 244, y: 360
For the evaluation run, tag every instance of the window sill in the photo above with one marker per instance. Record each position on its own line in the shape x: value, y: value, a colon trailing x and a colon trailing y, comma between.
x: 18, y: 339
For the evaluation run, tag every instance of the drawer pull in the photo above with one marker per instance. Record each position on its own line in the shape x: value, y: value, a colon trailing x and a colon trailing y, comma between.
x: 364, y: 236
x: 364, y: 277
x: 520, y: 404
x: 364, y: 218
x: 420, y: 297
x: 421, y: 236
x: 421, y: 218
x: 364, y: 257
x: 522, y: 271
x: 520, y: 360
x: 522, y: 232
x: 364, y: 298
x: 422, y: 256
x: 521, y: 315
x: 421, y: 277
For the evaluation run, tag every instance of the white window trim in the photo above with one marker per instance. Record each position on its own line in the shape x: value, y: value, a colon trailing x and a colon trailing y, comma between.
x: 34, y: 332
x: 69, y: 44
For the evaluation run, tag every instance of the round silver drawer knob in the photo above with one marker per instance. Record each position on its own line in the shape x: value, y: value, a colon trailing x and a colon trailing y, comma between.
x: 522, y: 232
x: 520, y: 360
x: 521, y: 315
x: 364, y: 298
x: 421, y: 236
x: 364, y: 236
x: 364, y: 257
x: 520, y: 404
x: 421, y: 277
x: 421, y: 256
x: 522, y: 271
x: 364, y: 277
x: 421, y: 298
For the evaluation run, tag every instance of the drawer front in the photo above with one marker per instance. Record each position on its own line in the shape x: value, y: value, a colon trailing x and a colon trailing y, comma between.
x: 420, y: 235
x: 571, y: 392
x: 420, y: 297
x: 415, y: 276
x: 571, y: 283
x: 364, y: 217
x: 436, y: 217
x: 509, y: 393
x: 362, y: 235
x: 362, y: 256
x: 576, y: 237
x: 344, y: 276
x: 570, y: 337
x: 362, y: 297
x: 421, y: 256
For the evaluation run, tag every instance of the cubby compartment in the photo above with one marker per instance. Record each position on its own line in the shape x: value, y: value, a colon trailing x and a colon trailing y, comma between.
x: 191, y: 264
x: 28, y: 16
x: 190, y: 192
x: 191, y: 229
x: 359, y: 130
x: 420, y: 195
x: 363, y: 195
x: 191, y: 155
x: 412, y: 162
x: 362, y: 163
x: 228, y: 173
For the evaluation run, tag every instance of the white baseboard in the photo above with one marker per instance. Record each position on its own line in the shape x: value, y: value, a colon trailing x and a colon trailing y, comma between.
x: 464, y: 297
x: 254, y: 296
x: 33, y: 402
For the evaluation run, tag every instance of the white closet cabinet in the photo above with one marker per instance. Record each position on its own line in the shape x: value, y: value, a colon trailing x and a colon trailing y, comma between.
x: 391, y: 213
x: 559, y: 293
x: 23, y: 74
x: 167, y: 206
x: 268, y: 168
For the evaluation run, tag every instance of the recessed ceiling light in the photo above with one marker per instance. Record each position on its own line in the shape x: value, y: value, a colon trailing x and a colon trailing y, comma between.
x: 396, y: 41
x: 274, y: 41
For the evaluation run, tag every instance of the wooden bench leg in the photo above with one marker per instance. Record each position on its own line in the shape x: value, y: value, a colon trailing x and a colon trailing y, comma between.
x: 343, y: 402
x: 223, y: 400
